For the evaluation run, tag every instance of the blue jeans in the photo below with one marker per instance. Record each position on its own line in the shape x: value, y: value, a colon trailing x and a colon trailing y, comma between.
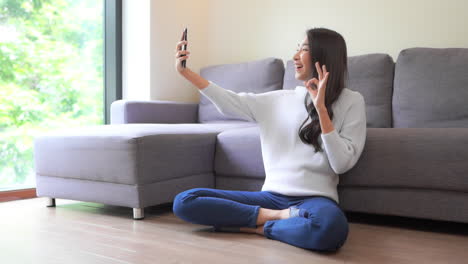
x: 321, y: 224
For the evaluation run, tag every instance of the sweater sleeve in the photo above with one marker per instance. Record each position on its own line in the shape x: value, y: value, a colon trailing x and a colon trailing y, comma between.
x: 345, y: 148
x: 229, y: 103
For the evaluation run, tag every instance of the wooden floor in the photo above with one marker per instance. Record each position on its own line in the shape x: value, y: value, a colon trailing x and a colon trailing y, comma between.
x: 80, y: 232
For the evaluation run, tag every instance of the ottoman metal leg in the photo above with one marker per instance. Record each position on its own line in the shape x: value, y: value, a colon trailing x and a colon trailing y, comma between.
x: 138, y: 213
x: 50, y: 202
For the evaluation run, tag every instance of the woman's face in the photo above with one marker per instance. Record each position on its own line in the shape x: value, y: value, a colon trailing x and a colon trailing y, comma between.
x: 302, y: 61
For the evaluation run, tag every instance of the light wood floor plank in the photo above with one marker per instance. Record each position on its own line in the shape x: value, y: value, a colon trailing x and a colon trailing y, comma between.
x: 81, y: 232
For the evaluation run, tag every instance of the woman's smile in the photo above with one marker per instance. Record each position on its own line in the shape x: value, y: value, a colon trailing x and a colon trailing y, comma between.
x: 302, y: 61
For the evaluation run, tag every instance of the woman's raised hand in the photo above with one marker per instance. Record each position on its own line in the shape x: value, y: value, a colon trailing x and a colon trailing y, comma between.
x: 318, y: 87
x: 181, y: 55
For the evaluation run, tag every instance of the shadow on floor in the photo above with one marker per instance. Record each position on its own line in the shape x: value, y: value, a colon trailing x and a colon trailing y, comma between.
x: 409, y: 223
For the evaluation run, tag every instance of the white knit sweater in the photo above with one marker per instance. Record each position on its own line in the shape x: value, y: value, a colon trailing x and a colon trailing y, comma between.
x: 291, y: 166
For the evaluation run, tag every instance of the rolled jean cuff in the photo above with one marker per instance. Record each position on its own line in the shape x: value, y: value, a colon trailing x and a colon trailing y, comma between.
x: 267, y: 228
x: 253, y: 220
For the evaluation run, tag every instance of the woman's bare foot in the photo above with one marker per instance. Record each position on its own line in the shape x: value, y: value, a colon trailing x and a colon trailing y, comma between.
x: 285, y: 213
x: 270, y: 214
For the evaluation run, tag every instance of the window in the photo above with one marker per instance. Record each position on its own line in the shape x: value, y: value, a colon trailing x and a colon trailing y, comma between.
x: 54, y: 74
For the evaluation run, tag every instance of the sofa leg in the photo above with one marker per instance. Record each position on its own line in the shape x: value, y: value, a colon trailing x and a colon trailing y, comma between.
x: 138, y: 213
x: 50, y: 202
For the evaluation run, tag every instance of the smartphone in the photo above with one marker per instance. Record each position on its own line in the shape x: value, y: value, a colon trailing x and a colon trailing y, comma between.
x: 184, y: 47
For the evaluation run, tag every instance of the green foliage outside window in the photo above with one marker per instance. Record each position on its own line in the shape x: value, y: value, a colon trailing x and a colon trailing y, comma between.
x: 51, y: 76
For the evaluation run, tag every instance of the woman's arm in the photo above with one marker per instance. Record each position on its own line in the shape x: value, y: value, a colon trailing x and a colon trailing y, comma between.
x: 325, y: 122
x: 344, y: 148
x: 241, y: 105
x: 194, y: 78
x: 226, y: 101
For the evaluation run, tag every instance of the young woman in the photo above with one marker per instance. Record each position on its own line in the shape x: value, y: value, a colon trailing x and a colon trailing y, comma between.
x: 303, y: 151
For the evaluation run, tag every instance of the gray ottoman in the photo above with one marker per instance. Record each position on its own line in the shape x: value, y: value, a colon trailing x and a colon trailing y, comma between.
x: 133, y: 165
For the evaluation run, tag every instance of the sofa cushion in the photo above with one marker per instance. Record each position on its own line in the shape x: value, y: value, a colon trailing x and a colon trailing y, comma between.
x: 239, y: 153
x: 431, y: 88
x: 414, y: 158
x: 254, y: 76
x: 372, y: 76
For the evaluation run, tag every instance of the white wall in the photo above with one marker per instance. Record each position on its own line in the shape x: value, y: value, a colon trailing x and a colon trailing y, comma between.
x: 136, y: 49
x: 273, y: 27
x: 226, y: 31
x: 168, y: 20
x: 151, y: 31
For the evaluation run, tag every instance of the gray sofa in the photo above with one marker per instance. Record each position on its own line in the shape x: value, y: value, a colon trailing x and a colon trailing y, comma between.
x: 414, y: 164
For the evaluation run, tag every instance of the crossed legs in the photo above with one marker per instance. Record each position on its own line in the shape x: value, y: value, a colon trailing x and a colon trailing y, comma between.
x: 321, y: 225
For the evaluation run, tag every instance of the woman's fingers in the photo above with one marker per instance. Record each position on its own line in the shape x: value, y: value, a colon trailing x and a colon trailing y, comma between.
x: 180, y: 43
x: 183, y: 58
x: 319, y: 71
x: 312, y: 82
x: 322, y: 71
x: 326, y: 76
x: 181, y: 52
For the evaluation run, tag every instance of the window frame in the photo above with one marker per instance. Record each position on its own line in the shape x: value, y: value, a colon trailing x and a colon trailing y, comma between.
x: 112, y: 54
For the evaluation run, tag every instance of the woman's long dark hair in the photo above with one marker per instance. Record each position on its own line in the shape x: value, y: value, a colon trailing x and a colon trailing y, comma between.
x: 327, y: 47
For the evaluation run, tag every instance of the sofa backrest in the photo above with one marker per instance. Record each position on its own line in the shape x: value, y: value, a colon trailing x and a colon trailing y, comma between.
x: 369, y: 74
x: 257, y: 76
x: 431, y: 88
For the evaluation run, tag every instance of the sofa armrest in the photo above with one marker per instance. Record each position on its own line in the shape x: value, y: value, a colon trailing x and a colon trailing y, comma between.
x: 156, y: 111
